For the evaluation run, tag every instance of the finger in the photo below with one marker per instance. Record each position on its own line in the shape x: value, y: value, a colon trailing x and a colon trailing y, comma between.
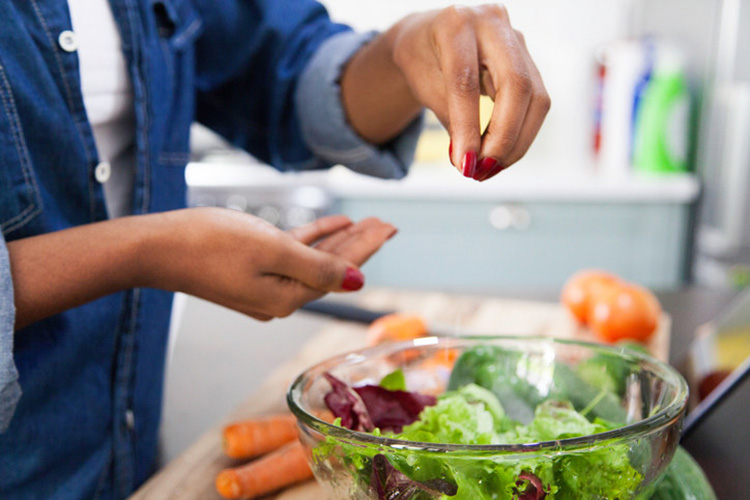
x: 270, y: 296
x: 330, y: 243
x: 356, y: 244
x: 360, y: 250
x: 488, y: 86
x: 324, y: 226
x: 491, y: 170
x: 260, y: 317
x: 283, y: 296
x: 296, y: 296
x: 359, y: 242
x: 333, y: 242
x: 314, y: 268
x: 486, y: 167
x: 535, y: 115
x: 513, y: 81
x: 457, y: 49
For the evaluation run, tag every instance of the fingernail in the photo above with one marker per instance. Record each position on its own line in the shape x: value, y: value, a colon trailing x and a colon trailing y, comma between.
x: 450, y: 152
x: 393, y: 233
x: 469, y: 165
x: 484, y: 168
x: 353, y: 280
x: 499, y: 168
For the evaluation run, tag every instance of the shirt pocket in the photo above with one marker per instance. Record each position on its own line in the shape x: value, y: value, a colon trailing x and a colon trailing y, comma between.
x: 178, y: 25
x: 20, y: 199
x: 177, y: 22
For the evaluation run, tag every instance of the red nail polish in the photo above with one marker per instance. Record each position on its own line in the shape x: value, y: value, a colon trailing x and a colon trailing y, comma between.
x: 450, y: 151
x: 353, y: 280
x: 485, y: 167
x: 499, y: 168
x: 469, y: 165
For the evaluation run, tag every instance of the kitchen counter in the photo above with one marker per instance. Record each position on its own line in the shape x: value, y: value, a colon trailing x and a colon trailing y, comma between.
x: 721, y: 445
x: 519, y: 183
x: 441, y: 181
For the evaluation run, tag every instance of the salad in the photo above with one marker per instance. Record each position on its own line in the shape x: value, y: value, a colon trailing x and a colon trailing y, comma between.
x: 486, y: 403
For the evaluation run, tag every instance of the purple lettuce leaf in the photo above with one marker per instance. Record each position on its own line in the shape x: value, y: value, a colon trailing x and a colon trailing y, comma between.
x: 530, y: 487
x: 391, y: 484
x: 366, y: 407
x: 346, y: 404
x: 391, y: 410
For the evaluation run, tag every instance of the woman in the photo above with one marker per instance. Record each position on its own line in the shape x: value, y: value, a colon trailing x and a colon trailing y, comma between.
x: 97, y: 99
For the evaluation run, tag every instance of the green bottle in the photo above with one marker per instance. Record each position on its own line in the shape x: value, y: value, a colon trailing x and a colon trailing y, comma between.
x: 662, y: 120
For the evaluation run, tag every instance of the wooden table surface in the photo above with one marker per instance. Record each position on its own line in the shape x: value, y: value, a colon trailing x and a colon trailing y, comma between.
x: 191, y: 476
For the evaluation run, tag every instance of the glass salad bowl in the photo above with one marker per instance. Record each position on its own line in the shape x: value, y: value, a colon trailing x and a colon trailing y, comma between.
x: 489, y: 418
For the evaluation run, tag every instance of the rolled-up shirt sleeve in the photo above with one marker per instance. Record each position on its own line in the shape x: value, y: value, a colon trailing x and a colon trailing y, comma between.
x: 10, y: 390
x: 323, y: 120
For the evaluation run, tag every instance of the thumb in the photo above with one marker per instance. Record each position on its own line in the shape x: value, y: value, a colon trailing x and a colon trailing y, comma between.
x: 319, y: 270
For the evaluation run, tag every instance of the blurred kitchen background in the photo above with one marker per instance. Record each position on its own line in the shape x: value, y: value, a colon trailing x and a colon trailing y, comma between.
x: 642, y: 168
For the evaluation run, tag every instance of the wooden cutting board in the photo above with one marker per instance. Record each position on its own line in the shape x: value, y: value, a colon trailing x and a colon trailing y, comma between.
x: 461, y: 314
x: 191, y: 476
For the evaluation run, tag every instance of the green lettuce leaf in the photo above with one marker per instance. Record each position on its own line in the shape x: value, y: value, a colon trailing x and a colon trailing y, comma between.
x: 394, y: 381
x: 473, y: 415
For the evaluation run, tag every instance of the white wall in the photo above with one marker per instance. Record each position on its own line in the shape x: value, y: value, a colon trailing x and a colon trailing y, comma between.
x: 692, y: 24
x: 562, y: 37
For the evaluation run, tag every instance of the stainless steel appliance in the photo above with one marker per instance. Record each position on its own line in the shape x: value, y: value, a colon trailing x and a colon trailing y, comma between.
x: 723, y: 239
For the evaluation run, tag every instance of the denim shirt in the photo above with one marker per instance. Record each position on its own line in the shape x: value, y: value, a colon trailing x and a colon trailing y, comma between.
x: 80, y: 392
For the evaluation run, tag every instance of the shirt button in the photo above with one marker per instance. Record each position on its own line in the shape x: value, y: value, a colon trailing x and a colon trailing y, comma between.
x: 130, y: 419
x: 68, y: 41
x: 103, y: 171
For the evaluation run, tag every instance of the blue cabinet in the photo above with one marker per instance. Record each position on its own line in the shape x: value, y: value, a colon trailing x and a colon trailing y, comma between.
x: 484, y: 245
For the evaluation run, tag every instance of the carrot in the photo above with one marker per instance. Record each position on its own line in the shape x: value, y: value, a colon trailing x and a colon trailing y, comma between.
x: 396, y: 327
x: 250, y: 438
x: 444, y: 358
x: 279, y: 469
x: 324, y: 415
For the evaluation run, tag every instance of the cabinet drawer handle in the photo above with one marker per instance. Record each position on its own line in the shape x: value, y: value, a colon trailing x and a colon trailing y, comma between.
x: 505, y: 217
